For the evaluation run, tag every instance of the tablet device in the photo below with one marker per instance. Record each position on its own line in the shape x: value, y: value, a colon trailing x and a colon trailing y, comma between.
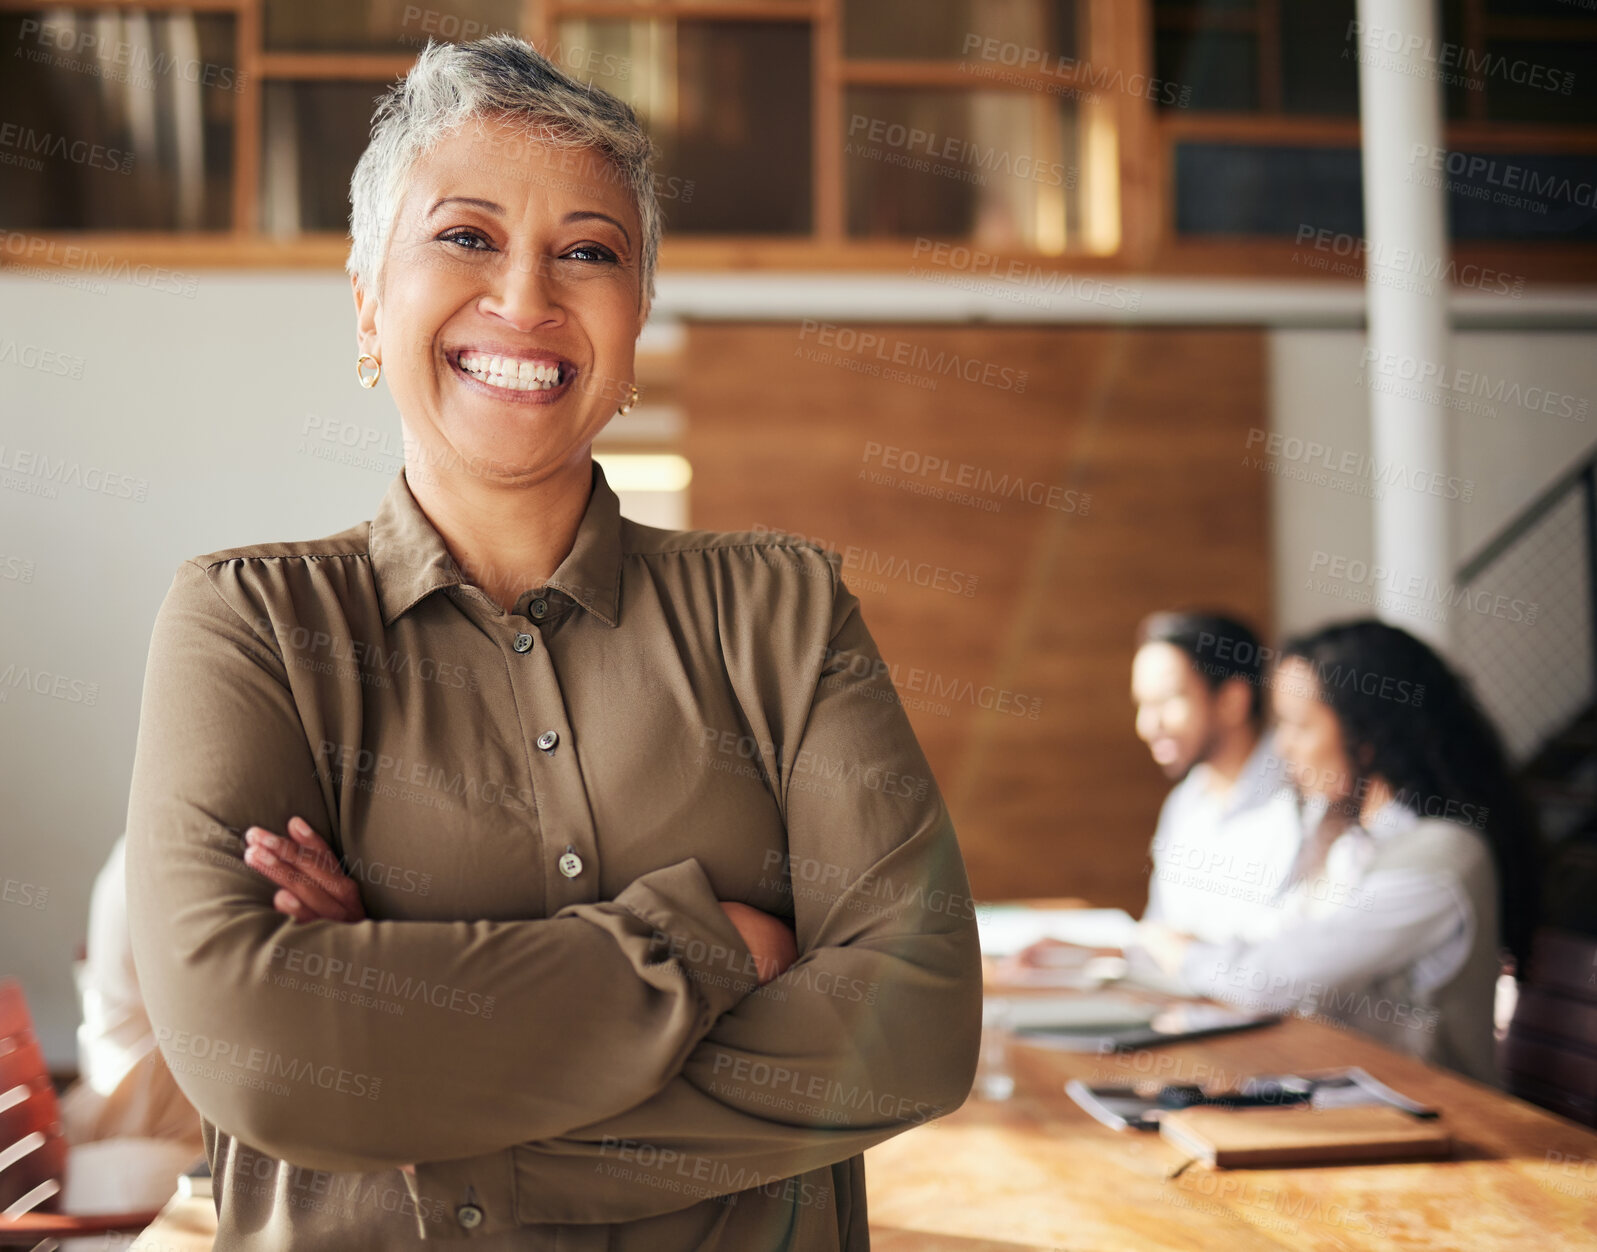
x: 1172, y: 1024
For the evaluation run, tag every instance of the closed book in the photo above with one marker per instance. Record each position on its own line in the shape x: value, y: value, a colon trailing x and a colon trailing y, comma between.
x: 1229, y: 1138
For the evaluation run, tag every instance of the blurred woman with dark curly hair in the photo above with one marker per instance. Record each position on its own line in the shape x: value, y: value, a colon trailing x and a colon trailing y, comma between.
x: 1423, y: 870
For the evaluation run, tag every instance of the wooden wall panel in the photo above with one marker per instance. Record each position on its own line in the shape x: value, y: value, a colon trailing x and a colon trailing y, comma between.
x: 783, y: 424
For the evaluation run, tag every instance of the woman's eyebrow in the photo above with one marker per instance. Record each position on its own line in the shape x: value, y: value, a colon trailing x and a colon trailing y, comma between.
x: 472, y: 200
x: 578, y: 215
x: 581, y: 215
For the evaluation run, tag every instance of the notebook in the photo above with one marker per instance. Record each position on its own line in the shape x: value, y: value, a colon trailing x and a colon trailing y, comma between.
x: 1304, y: 1136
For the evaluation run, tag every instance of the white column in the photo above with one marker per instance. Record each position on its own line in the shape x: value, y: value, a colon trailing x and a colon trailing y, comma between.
x: 1407, y: 285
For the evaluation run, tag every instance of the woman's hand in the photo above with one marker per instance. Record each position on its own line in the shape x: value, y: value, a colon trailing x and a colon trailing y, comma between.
x: 769, y: 938
x: 314, y: 885
x: 1050, y: 953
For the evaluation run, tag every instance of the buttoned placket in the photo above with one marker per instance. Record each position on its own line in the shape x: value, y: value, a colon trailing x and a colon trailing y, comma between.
x: 570, y: 852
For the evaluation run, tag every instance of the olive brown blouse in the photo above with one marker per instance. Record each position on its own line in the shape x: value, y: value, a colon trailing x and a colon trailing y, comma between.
x: 546, y: 1010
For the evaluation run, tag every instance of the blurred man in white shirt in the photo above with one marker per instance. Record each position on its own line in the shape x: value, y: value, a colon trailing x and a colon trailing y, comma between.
x: 1229, y: 831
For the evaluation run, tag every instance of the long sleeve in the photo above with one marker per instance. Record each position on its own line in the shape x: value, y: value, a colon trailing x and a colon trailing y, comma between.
x: 1383, y: 923
x: 620, y: 990
x: 874, y: 1029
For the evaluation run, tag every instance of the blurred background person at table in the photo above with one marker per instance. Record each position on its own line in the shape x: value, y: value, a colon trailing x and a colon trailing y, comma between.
x: 1229, y: 830
x: 125, y: 1088
x: 1422, y: 871
x: 125, y: 1102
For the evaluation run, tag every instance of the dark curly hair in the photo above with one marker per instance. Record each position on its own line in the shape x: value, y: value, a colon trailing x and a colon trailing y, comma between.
x: 1408, y: 719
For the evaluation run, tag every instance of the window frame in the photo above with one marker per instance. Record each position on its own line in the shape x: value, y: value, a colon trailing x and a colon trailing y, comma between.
x: 1114, y: 34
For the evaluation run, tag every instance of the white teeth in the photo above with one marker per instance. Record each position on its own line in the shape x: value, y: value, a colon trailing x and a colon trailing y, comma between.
x: 510, y: 373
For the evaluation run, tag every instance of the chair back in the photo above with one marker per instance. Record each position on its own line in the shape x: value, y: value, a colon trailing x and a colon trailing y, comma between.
x: 33, y: 1148
x: 1550, y: 1054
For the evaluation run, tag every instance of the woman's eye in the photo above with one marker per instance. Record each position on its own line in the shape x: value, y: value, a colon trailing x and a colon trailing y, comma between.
x: 468, y: 239
x: 593, y: 251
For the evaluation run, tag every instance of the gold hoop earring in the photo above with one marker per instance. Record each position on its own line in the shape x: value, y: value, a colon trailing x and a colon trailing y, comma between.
x: 360, y: 370
x: 631, y: 400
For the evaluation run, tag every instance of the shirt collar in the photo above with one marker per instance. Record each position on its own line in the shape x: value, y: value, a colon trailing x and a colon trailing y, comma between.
x: 1261, y: 776
x: 1259, y: 779
x: 411, y: 561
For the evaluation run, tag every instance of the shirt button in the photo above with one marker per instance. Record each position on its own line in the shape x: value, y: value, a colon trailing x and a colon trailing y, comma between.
x: 571, y: 865
x: 547, y: 740
x: 539, y: 607
x: 523, y: 644
x: 469, y: 1216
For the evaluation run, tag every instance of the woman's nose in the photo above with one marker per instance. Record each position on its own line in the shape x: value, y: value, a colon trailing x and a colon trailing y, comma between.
x: 524, y: 294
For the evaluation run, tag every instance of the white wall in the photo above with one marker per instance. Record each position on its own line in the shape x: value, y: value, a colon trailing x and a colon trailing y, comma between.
x: 204, y: 402
x: 1505, y: 452
x: 1532, y: 668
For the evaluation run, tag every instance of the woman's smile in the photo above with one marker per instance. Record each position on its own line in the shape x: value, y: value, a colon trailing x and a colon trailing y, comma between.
x: 511, y: 376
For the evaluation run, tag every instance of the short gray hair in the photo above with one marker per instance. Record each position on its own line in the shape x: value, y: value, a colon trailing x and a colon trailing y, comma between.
x: 500, y: 76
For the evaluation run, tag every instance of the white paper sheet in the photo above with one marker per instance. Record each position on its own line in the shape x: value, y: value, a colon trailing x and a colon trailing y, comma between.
x: 1007, y: 928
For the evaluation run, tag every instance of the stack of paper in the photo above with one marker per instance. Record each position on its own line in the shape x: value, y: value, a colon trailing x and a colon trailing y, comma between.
x: 1007, y: 928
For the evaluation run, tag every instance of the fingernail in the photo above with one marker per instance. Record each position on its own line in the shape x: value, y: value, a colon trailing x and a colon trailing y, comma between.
x: 261, y: 856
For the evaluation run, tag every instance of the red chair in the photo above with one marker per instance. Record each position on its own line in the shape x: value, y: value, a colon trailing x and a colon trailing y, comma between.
x: 33, y: 1150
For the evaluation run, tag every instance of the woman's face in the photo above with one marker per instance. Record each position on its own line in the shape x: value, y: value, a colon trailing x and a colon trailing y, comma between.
x: 509, y: 305
x: 1308, y: 735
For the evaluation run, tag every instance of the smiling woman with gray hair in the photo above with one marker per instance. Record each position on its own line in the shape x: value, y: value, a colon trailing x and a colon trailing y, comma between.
x: 500, y: 867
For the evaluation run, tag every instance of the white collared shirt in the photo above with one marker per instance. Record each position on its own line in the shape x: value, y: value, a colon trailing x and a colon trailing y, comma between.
x: 1222, y: 856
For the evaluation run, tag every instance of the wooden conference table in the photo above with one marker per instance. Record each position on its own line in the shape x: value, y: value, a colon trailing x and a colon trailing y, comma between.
x: 1034, y: 1172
